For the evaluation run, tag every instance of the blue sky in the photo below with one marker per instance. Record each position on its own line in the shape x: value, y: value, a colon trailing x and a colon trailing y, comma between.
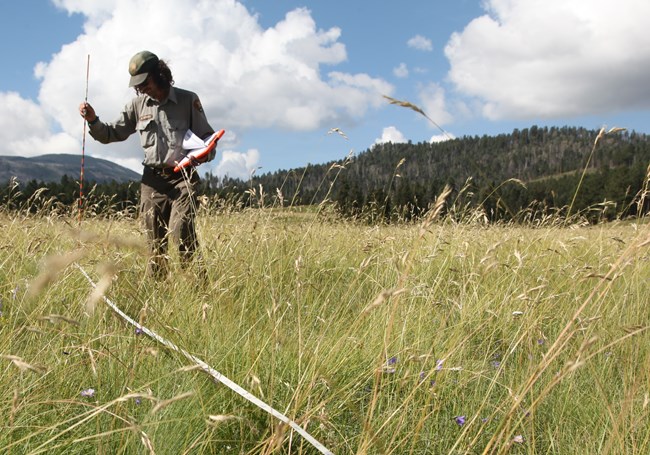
x: 279, y: 75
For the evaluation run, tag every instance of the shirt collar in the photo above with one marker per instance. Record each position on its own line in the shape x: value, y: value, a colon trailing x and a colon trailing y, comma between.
x: 171, y: 97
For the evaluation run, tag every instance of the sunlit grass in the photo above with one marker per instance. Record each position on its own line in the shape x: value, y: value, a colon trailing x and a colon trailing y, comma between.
x: 438, y: 337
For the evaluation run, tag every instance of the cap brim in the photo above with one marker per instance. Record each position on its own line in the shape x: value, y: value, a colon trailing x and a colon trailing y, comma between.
x: 138, y: 79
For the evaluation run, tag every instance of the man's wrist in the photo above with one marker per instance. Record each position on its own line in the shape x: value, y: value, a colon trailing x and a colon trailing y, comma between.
x: 95, y: 120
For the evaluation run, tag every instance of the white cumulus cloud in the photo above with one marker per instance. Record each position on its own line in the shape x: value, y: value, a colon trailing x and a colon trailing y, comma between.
x: 532, y: 59
x: 237, y: 165
x: 421, y: 43
x: 247, y: 76
x: 27, y: 130
x: 391, y: 134
x: 401, y: 71
x: 433, y: 102
x: 441, y: 138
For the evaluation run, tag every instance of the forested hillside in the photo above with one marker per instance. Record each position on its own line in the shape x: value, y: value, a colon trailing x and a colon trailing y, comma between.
x: 505, y: 174
x: 529, y: 173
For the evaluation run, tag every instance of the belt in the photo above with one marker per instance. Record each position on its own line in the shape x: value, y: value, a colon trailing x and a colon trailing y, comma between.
x: 166, y: 171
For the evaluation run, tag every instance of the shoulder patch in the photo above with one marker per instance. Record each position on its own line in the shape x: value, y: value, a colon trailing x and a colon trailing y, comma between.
x: 198, y: 106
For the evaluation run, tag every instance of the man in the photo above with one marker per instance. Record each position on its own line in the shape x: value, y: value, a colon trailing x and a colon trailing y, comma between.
x: 161, y: 114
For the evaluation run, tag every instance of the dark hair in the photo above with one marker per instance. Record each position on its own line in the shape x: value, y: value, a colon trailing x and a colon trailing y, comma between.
x: 161, y: 76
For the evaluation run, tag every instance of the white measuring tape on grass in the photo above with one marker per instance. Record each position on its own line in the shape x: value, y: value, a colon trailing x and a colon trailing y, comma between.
x: 212, y: 372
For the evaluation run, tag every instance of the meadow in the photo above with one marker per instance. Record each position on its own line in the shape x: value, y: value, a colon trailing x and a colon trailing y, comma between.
x: 441, y: 336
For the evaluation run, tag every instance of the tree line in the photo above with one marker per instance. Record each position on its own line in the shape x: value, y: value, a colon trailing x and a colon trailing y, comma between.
x: 528, y: 173
x: 62, y: 196
x: 537, y: 169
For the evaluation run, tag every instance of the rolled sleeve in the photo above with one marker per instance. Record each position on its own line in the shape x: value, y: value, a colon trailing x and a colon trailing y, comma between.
x: 117, y: 131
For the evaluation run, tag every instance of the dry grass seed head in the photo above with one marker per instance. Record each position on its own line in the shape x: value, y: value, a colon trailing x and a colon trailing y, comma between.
x: 146, y: 442
x: 24, y: 366
x: 217, y: 419
x: 435, y: 210
x: 339, y: 132
x: 53, y: 265
x: 108, y: 273
x: 382, y: 297
x: 164, y: 403
x: 54, y: 318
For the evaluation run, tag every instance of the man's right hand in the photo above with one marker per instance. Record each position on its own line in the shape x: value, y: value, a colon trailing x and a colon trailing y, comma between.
x: 87, y: 112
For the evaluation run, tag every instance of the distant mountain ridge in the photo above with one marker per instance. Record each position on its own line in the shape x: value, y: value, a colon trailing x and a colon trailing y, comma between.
x: 50, y: 168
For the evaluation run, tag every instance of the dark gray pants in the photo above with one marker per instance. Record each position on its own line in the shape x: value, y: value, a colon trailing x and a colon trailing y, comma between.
x: 168, y: 204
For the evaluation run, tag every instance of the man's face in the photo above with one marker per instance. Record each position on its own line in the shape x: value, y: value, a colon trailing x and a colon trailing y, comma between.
x: 148, y: 87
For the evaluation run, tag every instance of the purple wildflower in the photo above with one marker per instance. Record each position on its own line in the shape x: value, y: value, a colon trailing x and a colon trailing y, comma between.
x: 137, y: 401
x: 541, y: 341
x: 496, y: 364
x: 485, y: 419
x: 138, y: 331
x: 14, y: 293
x: 389, y: 368
x: 460, y: 420
x: 439, y: 364
x: 88, y: 393
x: 423, y: 376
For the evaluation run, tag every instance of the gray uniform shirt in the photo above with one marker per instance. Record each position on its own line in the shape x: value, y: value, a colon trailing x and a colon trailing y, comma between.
x: 161, y: 126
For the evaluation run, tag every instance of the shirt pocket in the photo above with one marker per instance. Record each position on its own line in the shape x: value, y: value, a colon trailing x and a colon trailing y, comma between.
x: 175, y: 129
x: 148, y: 131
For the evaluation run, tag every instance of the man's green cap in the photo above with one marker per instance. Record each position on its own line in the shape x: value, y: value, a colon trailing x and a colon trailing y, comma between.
x: 140, y: 65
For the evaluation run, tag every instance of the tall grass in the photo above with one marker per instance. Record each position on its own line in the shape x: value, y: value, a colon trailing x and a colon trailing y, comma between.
x: 444, y: 336
x: 437, y: 337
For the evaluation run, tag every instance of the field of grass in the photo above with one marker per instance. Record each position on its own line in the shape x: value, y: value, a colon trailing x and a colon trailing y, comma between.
x: 446, y: 337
